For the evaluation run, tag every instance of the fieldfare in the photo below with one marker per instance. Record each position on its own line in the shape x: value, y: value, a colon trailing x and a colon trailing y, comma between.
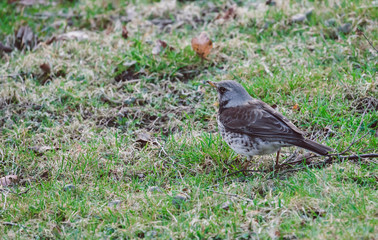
x: 251, y: 127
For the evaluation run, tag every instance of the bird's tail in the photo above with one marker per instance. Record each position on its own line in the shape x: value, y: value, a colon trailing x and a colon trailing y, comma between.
x: 314, y: 147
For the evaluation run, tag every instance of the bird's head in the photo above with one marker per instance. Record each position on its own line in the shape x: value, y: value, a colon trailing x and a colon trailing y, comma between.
x: 231, y: 93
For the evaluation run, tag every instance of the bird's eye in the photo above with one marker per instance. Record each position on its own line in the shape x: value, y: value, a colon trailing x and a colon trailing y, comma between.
x: 222, y: 90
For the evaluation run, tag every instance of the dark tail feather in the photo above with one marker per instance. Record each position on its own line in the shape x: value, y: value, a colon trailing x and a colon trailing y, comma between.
x: 314, y: 147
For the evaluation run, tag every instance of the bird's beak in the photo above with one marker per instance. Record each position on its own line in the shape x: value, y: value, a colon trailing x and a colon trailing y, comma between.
x: 212, y: 84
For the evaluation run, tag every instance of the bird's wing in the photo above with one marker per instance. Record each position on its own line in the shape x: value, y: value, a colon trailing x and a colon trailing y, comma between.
x: 260, y: 120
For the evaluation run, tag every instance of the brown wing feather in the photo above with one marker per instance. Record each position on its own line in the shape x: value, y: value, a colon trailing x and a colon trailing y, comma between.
x: 260, y: 120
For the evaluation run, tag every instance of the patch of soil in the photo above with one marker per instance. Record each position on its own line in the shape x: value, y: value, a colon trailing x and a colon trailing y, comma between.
x: 127, y: 75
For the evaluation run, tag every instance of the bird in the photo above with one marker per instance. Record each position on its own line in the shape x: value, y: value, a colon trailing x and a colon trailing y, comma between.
x: 251, y: 127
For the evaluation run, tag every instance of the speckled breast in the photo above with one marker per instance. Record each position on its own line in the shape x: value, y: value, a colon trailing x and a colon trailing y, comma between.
x: 247, y: 145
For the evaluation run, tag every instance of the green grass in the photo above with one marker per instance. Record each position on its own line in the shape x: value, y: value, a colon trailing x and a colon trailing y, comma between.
x: 93, y: 125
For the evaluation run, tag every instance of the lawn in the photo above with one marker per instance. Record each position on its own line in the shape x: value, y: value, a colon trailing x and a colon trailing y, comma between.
x: 113, y: 137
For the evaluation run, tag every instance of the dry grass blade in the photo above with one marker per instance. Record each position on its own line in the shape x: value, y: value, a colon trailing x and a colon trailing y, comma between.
x: 232, y: 195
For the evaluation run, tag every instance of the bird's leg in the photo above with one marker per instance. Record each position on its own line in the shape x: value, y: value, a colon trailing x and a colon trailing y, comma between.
x: 277, y: 157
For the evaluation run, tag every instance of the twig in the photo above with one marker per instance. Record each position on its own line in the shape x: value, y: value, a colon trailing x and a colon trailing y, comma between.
x: 231, y: 195
x: 330, y: 159
x: 354, y: 142
x: 355, y: 135
x: 300, y: 160
x: 292, y: 156
x: 371, y: 44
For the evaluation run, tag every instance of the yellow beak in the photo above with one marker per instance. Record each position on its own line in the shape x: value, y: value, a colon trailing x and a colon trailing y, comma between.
x: 212, y: 84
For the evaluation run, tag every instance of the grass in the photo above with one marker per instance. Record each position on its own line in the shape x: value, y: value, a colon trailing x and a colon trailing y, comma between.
x: 88, y: 170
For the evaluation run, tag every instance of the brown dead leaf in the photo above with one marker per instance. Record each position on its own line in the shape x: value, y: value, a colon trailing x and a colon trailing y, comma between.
x: 45, y: 68
x: 8, y: 180
x: 296, y: 107
x: 125, y: 33
x: 159, y: 47
x: 202, y: 45
x: 45, y: 76
x: 143, y: 138
x: 50, y: 40
x: 25, y: 38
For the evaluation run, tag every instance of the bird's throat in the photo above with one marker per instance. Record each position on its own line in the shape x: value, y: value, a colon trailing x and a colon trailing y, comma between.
x: 222, y: 106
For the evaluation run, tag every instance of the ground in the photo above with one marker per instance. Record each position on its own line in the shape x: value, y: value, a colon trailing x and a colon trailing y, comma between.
x: 111, y: 137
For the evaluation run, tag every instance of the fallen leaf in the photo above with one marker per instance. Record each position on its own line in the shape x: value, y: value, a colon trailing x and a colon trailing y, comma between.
x: 45, y: 76
x: 25, y: 38
x: 159, y: 47
x: 6, y: 49
x: 202, y: 45
x: 8, y: 180
x: 125, y: 33
x: 45, y: 68
x: 143, y: 138
x: 50, y: 40
x: 296, y: 107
